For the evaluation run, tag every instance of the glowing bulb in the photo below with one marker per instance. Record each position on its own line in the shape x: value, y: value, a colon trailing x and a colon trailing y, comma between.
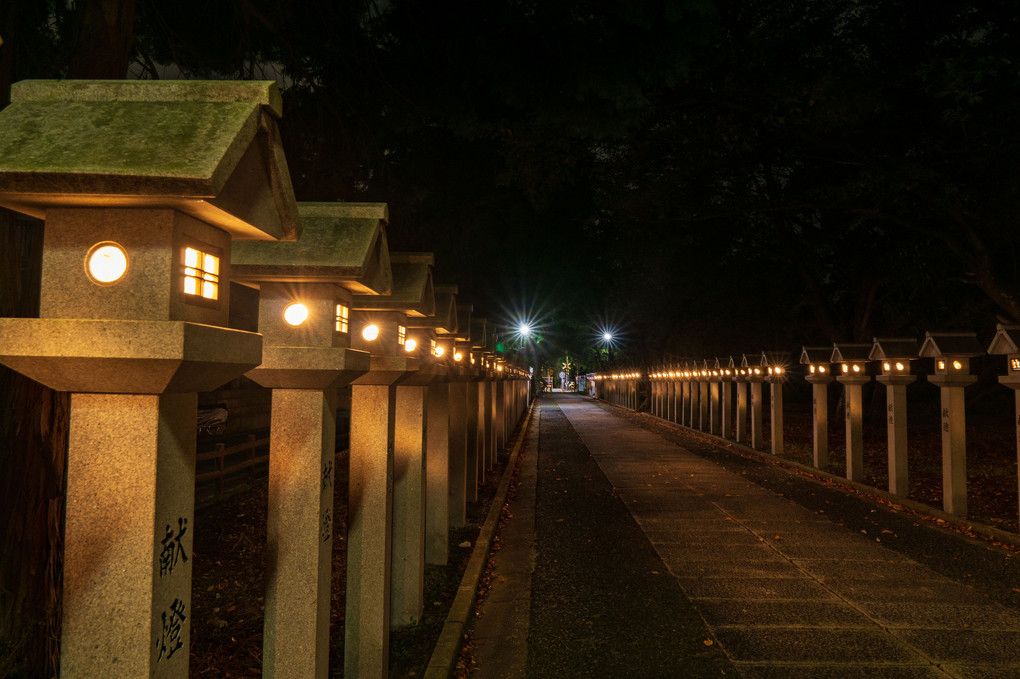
x: 821, y: 368
x: 295, y: 314
x: 779, y: 371
x: 846, y: 368
x: 370, y: 332
x: 410, y: 344
x: 457, y: 356
x: 499, y: 368
x: 439, y: 352
x: 812, y: 368
x: 900, y: 367
x: 106, y: 263
x: 524, y: 329
x: 607, y: 336
x: 856, y: 368
x: 886, y: 367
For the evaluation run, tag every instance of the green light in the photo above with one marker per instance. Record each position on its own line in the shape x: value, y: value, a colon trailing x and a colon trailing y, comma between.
x: 499, y: 346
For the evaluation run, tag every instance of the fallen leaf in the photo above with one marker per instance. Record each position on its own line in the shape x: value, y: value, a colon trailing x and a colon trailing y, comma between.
x: 708, y: 642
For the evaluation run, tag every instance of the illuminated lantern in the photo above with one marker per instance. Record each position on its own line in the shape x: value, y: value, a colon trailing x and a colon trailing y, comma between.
x: 1006, y: 342
x: 819, y: 376
x: 144, y: 187
x: 853, y: 375
x: 952, y: 353
x: 894, y: 357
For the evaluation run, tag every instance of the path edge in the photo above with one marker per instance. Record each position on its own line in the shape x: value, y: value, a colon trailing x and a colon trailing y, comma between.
x: 443, y: 660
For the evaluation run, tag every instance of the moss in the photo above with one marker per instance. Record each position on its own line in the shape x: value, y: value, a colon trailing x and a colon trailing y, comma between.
x: 154, y: 139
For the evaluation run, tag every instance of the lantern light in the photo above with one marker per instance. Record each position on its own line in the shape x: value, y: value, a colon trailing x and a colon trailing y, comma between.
x: 106, y: 263
x: 457, y: 356
x: 410, y: 344
x: 370, y: 332
x: 439, y: 351
x: 295, y: 314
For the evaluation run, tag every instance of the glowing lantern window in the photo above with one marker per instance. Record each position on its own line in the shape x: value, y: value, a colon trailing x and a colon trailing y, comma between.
x: 343, y: 316
x: 106, y: 263
x: 401, y: 334
x: 201, y: 274
x: 295, y: 314
x: 1014, y: 363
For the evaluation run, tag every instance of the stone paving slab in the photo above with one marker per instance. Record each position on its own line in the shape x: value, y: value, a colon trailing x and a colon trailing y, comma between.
x: 753, y: 588
x: 840, y: 671
x: 789, y: 614
x: 942, y: 615
x: 814, y: 645
x: 992, y: 647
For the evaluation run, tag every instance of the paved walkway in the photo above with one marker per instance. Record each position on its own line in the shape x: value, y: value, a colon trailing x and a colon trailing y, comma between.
x: 631, y: 556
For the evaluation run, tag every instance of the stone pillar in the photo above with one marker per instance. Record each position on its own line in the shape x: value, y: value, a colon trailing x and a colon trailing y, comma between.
x: 475, y: 474
x: 853, y: 396
x: 128, y: 535
x: 438, y: 474
x: 896, y: 430
x: 695, y: 398
x: 757, y: 435
x: 407, y: 558
x: 727, y: 408
x: 300, y: 527
x: 461, y: 470
x: 715, y: 408
x: 820, y: 418
x: 703, y: 405
x: 489, y: 417
x: 369, y: 531
x: 954, y: 442
x: 499, y: 415
x: 776, y: 390
x: 741, y: 434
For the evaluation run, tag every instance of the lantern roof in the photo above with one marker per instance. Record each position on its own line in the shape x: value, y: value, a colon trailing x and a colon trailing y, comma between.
x: 478, y: 332
x: 846, y: 353
x: 444, y: 321
x: 210, y: 149
x: 939, y: 344
x: 815, y: 355
x: 1006, y: 340
x: 342, y: 243
x: 412, y: 291
x: 902, y: 348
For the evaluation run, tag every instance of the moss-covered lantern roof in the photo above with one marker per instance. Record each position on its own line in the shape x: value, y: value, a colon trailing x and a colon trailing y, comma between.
x: 207, y: 148
x: 342, y: 243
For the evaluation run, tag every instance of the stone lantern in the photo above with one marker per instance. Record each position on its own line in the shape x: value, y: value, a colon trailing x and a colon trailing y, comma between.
x: 755, y: 377
x: 894, y: 355
x: 411, y: 298
x: 479, y: 433
x: 462, y: 474
x: 437, y: 335
x: 144, y: 186
x: 1007, y: 341
x: 853, y: 376
x: 739, y: 376
x: 775, y: 368
x: 819, y: 376
x: 725, y: 368
x: 305, y: 293
x: 714, y: 396
x: 952, y: 353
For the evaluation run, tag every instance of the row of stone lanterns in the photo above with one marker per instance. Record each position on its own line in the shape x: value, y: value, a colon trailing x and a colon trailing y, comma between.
x: 697, y: 394
x: 157, y: 197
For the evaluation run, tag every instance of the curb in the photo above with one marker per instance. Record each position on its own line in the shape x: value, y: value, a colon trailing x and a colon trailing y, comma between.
x: 443, y: 660
x: 942, y: 520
